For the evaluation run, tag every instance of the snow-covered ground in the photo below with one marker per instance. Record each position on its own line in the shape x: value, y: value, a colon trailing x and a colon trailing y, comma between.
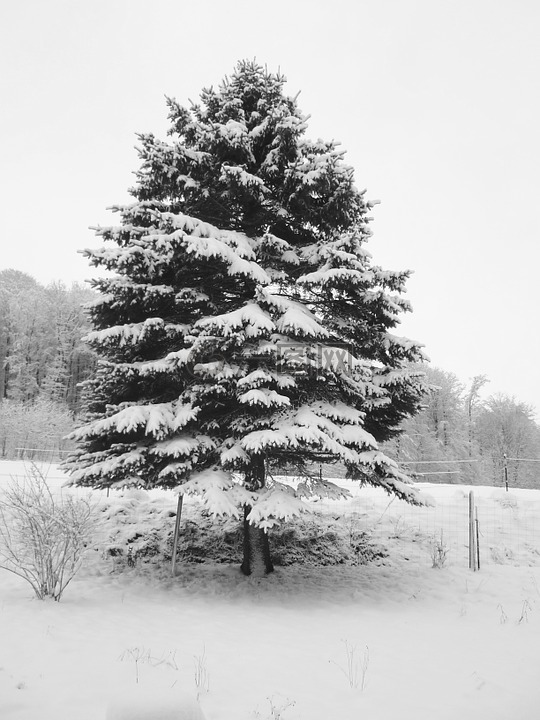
x: 397, y: 639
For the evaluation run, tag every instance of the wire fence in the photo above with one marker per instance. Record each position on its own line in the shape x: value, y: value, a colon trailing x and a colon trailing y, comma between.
x: 508, y: 517
x: 53, y: 454
x: 508, y: 527
x: 517, y: 472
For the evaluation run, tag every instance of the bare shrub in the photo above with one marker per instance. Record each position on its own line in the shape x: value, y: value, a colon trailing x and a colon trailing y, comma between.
x: 277, y: 709
x: 356, y: 667
x: 143, y: 656
x: 202, y: 676
x: 438, y: 550
x: 42, y: 536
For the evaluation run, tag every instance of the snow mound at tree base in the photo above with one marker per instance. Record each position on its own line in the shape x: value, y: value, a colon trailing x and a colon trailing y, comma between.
x: 140, y: 703
x: 139, y: 530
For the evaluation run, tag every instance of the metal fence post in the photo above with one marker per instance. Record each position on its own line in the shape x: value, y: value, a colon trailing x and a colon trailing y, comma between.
x: 176, y: 532
x: 473, y: 555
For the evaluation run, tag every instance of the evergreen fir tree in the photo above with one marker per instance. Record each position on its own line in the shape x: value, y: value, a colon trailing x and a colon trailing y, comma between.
x: 245, y: 326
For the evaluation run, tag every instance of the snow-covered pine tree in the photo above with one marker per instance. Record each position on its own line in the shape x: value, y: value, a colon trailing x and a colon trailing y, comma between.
x: 245, y: 326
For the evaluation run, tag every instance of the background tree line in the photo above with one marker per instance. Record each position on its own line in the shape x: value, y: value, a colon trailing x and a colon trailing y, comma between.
x: 42, y: 361
x: 457, y: 437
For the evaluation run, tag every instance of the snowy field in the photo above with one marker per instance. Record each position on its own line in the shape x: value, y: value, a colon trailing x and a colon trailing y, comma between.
x: 392, y: 639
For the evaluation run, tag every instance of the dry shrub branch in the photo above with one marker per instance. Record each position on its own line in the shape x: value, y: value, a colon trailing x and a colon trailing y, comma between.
x: 43, y: 536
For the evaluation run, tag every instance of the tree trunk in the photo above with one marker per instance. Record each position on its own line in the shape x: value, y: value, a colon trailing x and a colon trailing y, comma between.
x: 257, y: 560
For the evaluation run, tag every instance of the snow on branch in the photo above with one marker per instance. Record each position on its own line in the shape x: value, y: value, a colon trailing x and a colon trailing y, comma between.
x: 251, y: 317
x: 170, y: 362
x: 332, y: 276
x: 381, y: 471
x: 124, y: 464
x: 218, y: 492
x: 298, y: 320
x: 182, y: 445
x: 315, y: 486
x: 133, y: 333
x: 264, y: 397
x: 306, y: 429
x: 157, y: 419
x: 274, y: 504
x: 244, y: 179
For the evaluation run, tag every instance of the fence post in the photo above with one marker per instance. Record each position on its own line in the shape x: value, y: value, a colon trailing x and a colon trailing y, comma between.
x: 176, y: 532
x: 505, y: 462
x: 477, y: 536
x: 473, y: 556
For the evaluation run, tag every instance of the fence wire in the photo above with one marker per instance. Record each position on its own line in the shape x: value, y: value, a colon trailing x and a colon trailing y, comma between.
x: 508, y: 523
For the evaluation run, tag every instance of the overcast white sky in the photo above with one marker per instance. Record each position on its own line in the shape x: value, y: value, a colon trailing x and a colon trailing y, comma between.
x: 437, y: 103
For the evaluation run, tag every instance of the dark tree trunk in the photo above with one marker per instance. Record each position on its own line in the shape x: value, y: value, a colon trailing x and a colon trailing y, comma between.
x: 257, y: 560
